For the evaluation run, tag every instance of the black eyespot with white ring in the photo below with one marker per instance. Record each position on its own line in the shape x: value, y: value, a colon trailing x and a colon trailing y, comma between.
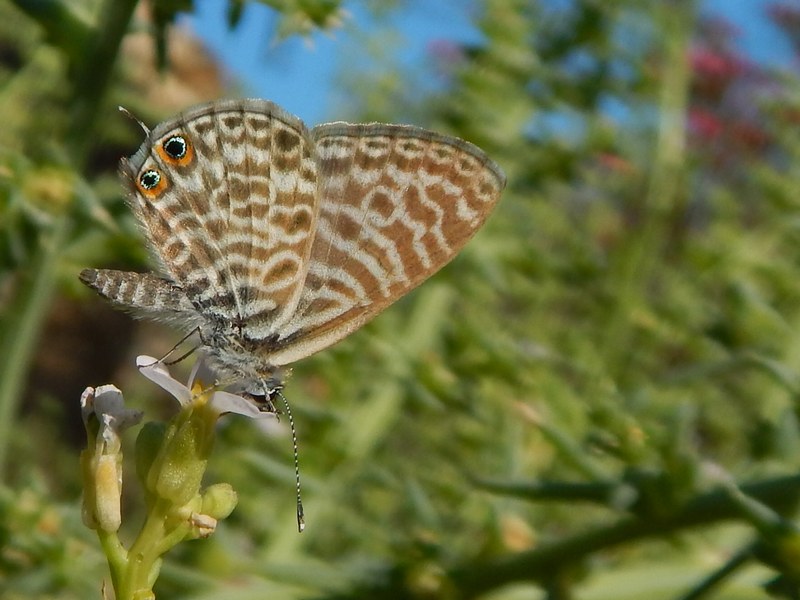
x: 150, y: 179
x: 175, y: 146
x: 176, y: 150
x: 151, y: 183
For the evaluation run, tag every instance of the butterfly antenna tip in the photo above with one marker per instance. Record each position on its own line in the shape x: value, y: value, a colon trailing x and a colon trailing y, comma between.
x: 131, y: 116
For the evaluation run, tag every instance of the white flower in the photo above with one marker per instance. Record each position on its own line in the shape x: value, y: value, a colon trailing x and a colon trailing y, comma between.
x: 221, y: 401
x: 105, y: 417
x: 108, y: 406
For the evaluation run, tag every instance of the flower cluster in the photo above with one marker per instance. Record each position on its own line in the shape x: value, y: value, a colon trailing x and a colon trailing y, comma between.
x: 171, y: 459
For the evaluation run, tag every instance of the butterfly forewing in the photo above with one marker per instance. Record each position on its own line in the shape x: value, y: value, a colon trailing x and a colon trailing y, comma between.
x: 234, y: 224
x: 396, y: 204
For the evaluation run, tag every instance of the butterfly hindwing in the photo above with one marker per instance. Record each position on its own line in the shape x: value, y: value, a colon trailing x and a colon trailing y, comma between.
x: 396, y: 204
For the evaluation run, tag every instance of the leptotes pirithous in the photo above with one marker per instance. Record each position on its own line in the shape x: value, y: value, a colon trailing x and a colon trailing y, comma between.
x: 276, y: 241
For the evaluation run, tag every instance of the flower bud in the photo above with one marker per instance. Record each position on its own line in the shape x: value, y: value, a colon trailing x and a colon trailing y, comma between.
x: 105, y: 417
x: 108, y: 492
x: 183, y: 462
x: 219, y: 500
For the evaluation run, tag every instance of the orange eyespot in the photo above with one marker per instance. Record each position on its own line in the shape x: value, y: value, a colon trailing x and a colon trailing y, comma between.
x: 151, y: 183
x: 176, y: 150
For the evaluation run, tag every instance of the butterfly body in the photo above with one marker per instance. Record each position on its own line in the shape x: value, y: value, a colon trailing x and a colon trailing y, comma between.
x: 275, y: 241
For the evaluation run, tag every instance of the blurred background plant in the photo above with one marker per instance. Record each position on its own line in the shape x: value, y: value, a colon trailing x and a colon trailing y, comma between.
x: 597, y: 398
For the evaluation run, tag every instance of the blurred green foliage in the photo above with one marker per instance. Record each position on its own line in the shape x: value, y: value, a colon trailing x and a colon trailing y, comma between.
x: 565, y: 410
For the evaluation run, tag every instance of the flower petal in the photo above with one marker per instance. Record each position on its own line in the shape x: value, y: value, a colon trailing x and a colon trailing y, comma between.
x: 225, y: 402
x: 156, y: 372
x: 108, y: 400
x: 87, y: 404
x: 201, y: 371
x: 107, y: 403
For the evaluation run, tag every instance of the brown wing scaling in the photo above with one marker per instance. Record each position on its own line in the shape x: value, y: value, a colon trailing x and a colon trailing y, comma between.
x: 232, y: 215
x: 396, y: 204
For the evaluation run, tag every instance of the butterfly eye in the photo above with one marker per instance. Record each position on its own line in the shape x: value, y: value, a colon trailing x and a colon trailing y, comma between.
x: 176, y: 149
x: 151, y: 183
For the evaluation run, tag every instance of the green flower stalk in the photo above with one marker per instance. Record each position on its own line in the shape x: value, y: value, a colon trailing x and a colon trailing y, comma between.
x: 171, y: 459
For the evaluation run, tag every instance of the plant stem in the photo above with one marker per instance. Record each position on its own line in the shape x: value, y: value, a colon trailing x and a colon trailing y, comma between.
x: 116, y: 555
x: 93, y: 75
x: 21, y: 335
x: 737, y: 561
x: 780, y: 494
x: 144, y: 553
x: 635, y: 260
x: 62, y: 25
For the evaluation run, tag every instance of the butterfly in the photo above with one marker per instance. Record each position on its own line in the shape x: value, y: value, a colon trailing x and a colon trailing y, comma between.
x: 275, y: 241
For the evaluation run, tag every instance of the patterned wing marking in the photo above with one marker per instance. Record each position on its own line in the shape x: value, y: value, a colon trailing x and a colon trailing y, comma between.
x: 233, y: 225
x: 396, y: 204
x: 143, y: 293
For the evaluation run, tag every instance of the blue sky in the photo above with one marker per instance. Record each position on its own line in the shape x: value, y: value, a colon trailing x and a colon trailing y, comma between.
x: 300, y: 76
x: 758, y: 38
